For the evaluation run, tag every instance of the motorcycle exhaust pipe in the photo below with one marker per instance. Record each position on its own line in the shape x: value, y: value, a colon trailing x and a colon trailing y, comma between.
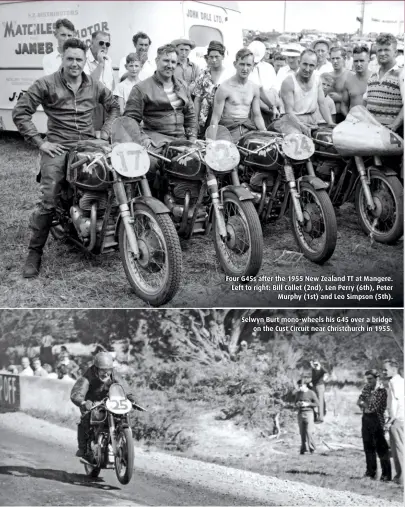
x: 175, y: 209
x: 364, y: 182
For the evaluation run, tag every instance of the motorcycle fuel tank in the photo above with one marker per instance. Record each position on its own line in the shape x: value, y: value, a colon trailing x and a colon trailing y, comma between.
x: 183, y: 165
x: 267, y: 159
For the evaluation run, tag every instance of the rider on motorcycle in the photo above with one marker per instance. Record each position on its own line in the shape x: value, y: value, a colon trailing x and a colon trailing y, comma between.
x: 93, y: 387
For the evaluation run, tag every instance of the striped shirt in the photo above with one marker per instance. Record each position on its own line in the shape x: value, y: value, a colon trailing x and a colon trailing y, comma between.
x: 385, y: 95
x: 174, y: 99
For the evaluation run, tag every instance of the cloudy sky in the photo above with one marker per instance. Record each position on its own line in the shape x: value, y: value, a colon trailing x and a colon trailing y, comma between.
x: 328, y: 16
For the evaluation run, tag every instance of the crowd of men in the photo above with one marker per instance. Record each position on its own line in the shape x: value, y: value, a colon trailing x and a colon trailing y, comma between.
x: 171, y: 97
x: 382, y: 427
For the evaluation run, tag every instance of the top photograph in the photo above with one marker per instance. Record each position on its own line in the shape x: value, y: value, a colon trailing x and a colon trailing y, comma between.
x: 186, y: 154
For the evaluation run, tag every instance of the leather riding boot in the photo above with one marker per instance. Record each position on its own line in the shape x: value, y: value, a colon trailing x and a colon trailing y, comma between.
x: 81, y: 440
x: 41, y: 224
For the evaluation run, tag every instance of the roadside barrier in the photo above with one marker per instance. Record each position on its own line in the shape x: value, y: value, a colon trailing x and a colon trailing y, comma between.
x: 38, y: 393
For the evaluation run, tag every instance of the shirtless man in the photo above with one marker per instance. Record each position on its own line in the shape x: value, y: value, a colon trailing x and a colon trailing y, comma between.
x: 237, y: 97
x: 302, y: 94
x: 356, y: 84
x: 340, y: 75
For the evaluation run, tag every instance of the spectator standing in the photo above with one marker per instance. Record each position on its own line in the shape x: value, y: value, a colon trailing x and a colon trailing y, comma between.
x: 356, y: 84
x: 328, y: 82
x: 26, y: 368
x: 292, y: 52
x: 141, y: 42
x: 279, y: 62
x: 186, y: 70
x: 45, y: 351
x: 395, y: 423
x: 72, y: 367
x: 64, y: 374
x: 373, y: 402
x: 321, y: 48
x: 385, y: 87
x: 124, y: 88
x: 340, y: 75
x: 319, y: 377
x: 64, y: 30
x: 306, y: 400
x: 349, y: 58
x: 39, y: 371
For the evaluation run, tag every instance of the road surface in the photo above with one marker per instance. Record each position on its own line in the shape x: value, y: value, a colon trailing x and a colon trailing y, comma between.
x: 38, y: 467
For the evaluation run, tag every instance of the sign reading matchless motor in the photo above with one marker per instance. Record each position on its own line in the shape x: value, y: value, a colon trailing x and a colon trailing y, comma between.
x: 9, y: 391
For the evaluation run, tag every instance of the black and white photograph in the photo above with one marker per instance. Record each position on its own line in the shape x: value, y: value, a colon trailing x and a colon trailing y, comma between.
x: 201, y: 154
x: 201, y: 407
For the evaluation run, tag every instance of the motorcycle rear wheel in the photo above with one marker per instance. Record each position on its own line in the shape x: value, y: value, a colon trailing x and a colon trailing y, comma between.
x: 155, y: 276
x: 242, y: 252
x: 124, y: 462
x: 319, y: 224
x: 388, y: 196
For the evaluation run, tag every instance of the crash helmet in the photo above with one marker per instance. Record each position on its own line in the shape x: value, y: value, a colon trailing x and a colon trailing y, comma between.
x: 103, y: 363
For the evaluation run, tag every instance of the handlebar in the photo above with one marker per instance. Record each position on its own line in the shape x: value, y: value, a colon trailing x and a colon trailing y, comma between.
x: 135, y: 406
x: 80, y: 162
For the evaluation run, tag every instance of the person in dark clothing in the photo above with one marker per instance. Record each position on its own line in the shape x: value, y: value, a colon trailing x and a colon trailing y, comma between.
x: 68, y: 98
x: 373, y: 402
x: 306, y: 400
x: 92, y: 387
x: 319, y: 377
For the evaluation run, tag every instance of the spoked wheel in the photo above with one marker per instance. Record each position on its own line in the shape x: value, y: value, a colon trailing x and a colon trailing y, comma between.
x: 124, y: 460
x: 241, y: 253
x: 386, y: 221
x: 317, y: 236
x: 155, y: 276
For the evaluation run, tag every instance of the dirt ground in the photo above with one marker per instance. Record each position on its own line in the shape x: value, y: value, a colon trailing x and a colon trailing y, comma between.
x: 70, y: 278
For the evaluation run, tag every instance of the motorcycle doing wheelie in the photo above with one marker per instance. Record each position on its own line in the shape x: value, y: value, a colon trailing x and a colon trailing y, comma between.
x: 278, y: 171
x: 200, y: 186
x: 110, y: 442
x: 107, y: 205
x: 351, y: 158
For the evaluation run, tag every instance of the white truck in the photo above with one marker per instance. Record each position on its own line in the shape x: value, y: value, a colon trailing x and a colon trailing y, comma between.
x: 26, y: 35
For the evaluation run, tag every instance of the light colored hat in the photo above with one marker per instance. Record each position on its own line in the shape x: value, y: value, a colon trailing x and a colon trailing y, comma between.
x: 258, y: 49
x: 184, y: 41
x: 292, y: 49
x: 319, y: 41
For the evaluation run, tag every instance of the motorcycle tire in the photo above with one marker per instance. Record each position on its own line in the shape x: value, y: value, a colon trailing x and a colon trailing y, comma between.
x: 388, y: 195
x: 161, y: 233
x: 125, y: 444
x: 247, y: 222
x: 318, y: 254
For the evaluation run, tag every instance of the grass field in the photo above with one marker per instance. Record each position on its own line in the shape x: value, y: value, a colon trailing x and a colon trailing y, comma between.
x: 70, y: 278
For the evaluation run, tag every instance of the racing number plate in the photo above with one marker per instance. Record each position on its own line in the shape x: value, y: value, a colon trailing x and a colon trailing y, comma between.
x: 130, y: 160
x: 118, y: 405
x: 298, y: 146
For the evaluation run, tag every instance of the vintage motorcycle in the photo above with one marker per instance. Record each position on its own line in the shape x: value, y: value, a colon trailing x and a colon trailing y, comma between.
x: 351, y: 159
x: 107, y: 205
x: 110, y: 443
x: 278, y: 171
x: 201, y: 188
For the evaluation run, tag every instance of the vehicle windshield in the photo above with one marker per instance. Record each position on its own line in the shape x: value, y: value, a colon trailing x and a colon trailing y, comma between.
x: 116, y: 391
x: 125, y: 130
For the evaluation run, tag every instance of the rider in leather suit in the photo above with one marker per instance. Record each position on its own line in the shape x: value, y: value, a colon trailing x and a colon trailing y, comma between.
x: 92, y: 387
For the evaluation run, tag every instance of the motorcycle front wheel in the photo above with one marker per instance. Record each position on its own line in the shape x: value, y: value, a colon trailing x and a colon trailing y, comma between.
x: 124, y: 460
x: 386, y: 221
x: 317, y: 236
x: 155, y: 275
x: 241, y: 253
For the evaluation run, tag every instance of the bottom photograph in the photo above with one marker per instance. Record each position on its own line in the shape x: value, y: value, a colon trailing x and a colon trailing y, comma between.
x: 201, y: 407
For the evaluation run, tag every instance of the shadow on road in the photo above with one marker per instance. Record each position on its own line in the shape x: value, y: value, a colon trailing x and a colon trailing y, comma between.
x: 57, y: 475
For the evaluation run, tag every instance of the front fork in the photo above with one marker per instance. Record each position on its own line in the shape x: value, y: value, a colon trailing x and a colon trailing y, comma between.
x: 295, y: 196
x: 111, y: 426
x: 122, y: 199
x: 212, y: 184
x: 364, y: 182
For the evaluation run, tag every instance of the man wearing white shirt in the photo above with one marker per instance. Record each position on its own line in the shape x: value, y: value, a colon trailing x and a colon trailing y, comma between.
x: 395, y: 423
x: 142, y: 44
x: 64, y: 30
x: 26, y: 371
x: 321, y: 48
x: 292, y: 52
x: 265, y: 77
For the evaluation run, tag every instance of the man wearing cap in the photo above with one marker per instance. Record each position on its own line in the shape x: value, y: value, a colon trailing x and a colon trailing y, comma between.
x: 292, y: 52
x: 321, y: 48
x: 186, y: 70
x: 264, y: 75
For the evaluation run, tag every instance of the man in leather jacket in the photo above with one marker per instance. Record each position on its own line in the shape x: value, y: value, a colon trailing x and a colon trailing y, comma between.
x: 93, y: 387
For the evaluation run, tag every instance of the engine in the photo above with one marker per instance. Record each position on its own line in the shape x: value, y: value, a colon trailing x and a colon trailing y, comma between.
x: 81, y: 212
x: 182, y: 196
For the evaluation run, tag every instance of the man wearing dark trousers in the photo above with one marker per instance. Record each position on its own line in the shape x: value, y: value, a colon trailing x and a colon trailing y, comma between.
x: 69, y: 98
x: 373, y: 402
x: 319, y: 377
x: 306, y: 401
